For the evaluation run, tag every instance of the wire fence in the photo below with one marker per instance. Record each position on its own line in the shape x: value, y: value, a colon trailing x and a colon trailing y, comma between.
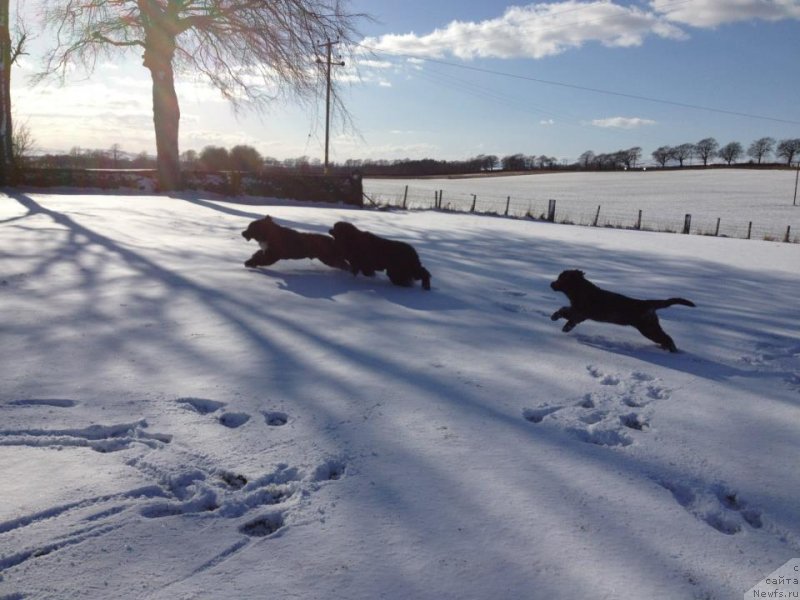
x: 579, y: 213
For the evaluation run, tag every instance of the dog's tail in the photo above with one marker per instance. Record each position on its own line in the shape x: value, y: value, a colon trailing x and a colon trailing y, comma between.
x: 425, y: 276
x: 656, y: 304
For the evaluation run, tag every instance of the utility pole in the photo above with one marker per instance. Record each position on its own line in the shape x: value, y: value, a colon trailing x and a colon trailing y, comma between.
x: 328, y: 63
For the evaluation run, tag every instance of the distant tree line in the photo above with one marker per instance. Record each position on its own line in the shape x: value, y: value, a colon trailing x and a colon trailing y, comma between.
x: 248, y: 159
x: 708, y: 149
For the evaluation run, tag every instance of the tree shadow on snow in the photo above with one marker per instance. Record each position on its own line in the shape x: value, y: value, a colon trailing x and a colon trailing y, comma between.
x: 518, y: 267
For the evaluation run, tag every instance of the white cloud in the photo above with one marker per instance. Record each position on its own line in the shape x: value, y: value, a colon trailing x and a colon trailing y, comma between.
x: 541, y: 30
x: 712, y: 13
x: 534, y: 31
x: 622, y: 122
x: 547, y: 122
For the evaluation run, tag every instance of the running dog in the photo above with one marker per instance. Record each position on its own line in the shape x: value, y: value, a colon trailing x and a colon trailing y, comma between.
x: 278, y: 242
x: 587, y: 301
x: 367, y: 253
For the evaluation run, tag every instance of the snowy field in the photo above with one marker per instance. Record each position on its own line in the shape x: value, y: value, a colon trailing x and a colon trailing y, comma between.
x: 737, y: 197
x: 175, y: 426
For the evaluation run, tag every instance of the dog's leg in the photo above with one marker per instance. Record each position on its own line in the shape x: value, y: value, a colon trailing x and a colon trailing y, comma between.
x: 261, y: 259
x: 568, y: 313
x: 334, y: 261
x: 425, y: 277
x: 400, y: 278
x: 651, y: 329
x: 561, y: 313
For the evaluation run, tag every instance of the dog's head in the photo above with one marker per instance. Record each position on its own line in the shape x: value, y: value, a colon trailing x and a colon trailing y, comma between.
x: 568, y: 280
x: 344, y: 231
x: 258, y: 229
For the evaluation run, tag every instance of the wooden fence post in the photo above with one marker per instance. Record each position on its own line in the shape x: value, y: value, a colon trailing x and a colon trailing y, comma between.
x: 749, y: 229
x: 716, y: 232
x: 639, y: 220
x: 596, y: 216
x: 405, y: 197
x: 551, y: 210
x: 441, y: 195
x: 687, y: 223
x: 788, y: 233
x: 508, y: 201
x: 474, y: 200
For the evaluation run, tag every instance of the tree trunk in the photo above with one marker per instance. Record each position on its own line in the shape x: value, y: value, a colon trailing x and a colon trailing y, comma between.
x: 6, y: 130
x: 166, y: 118
x: 158, y: 53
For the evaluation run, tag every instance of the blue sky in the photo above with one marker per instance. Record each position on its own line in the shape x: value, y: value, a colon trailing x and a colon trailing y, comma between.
x: 451, y: 80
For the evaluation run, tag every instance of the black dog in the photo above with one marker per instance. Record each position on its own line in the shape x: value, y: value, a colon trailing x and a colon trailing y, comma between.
x: 278, y: 242
x: 367, y: 253
x: 587, y: 301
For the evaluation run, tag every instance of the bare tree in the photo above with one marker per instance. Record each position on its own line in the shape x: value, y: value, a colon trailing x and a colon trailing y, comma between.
x: 22, y: 143
x: 586, y: 159
x: 730, y: 152
x: 631, y: 157
x: 761, y: 148
x: 706, y: 149
x: 662, y: 155
x: 253, y: 50
x: 116, y: 152
x: 788, y: 149
x: 683, y: 152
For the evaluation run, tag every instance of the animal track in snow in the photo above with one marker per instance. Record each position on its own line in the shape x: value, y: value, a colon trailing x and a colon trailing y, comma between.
x: 101, y: 438
x: 275, y: 418
x: 226, y: 494
x: 780, y: 358
x: 201, y: 405
x: 234, y: 420
x: 718, y: 505
x: 263, y: 526
x: 601, y: 437
x: 197, y: 493
x: 604, y: 417
x: 537, y: 415
x: 52, y: 402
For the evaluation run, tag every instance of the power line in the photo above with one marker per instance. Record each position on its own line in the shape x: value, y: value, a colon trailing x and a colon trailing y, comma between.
x: 585, y: 88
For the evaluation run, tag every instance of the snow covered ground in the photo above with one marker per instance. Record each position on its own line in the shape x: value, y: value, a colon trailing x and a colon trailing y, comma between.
x: 175, y: 426
x: 744, y: 200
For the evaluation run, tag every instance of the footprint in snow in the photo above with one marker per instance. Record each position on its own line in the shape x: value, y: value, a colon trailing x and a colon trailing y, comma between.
x: 233, y: 420
x: 601, y: 437
x: 275, y: 418
x: 201, y: 405
x: 537, y: 415
x: 52, y: 402
x: 602, y: 377
x: 263, y: 526
x: 634, y: 421
x: 600, y: 417
x: 718, y: 506
x: 100, y: 438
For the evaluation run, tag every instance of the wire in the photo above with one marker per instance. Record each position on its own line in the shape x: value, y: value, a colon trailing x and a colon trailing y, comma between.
x: 584, y: 88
